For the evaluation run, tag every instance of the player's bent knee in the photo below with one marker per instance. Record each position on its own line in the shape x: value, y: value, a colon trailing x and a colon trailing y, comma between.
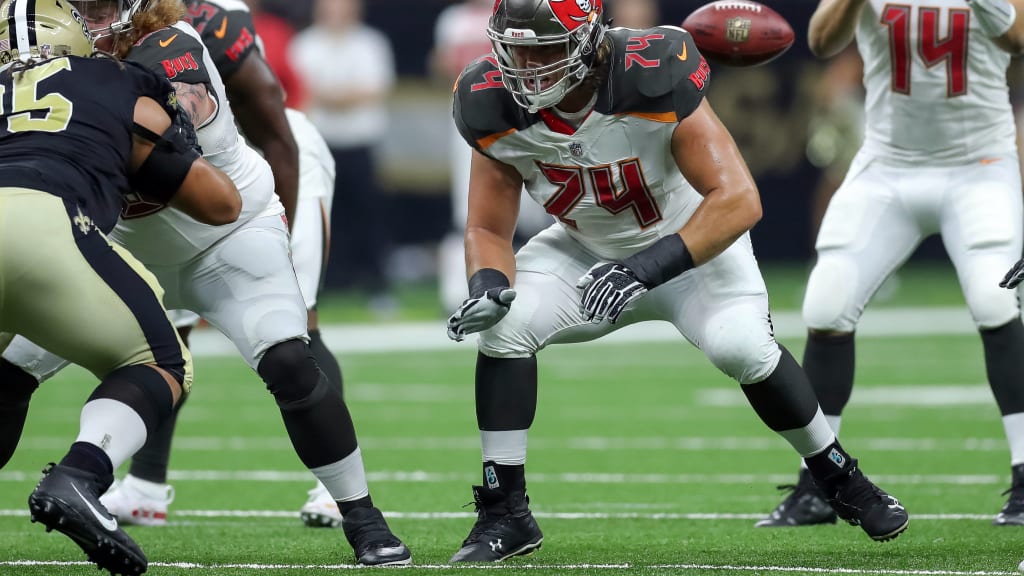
x: 991, y: 306
x: 829, y: 303
x: 291, y: 375
x: 740, y: 344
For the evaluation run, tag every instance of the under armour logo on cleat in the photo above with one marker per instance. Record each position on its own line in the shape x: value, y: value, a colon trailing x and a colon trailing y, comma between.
x: 495, y: 545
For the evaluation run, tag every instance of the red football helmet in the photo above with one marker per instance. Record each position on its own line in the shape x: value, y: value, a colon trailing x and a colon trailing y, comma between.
x: 578, y: 25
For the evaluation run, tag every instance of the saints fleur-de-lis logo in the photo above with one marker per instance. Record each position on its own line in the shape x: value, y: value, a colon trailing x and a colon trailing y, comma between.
x: 83, y: 222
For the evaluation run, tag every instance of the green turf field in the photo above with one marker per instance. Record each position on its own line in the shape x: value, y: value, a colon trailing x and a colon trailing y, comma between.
x: 643, y: 460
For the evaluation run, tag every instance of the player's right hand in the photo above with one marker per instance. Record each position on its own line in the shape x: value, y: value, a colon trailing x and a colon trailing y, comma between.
x: 1014, y: 276
x: 479, y: 314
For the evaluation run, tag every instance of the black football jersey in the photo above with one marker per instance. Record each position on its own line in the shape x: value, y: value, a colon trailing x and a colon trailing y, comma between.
x: 173, y: 53
x: 227, y: 30
x: 66, y: 128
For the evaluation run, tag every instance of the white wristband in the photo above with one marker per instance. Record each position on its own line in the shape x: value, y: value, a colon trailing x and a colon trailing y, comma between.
x: 995, y: 17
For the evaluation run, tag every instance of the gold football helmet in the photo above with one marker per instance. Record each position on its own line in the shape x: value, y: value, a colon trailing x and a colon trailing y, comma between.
x: 52, y: 29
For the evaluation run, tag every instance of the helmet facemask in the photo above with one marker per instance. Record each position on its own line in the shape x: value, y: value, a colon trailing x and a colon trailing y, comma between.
x: 115, y: 16
x: 533, y: 69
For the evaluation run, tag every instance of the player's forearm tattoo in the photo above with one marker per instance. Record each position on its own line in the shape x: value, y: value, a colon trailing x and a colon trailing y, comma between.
x: 195, y: 100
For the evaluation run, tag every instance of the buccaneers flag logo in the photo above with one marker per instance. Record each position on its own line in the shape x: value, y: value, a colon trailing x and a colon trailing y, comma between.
x: 574, y: 13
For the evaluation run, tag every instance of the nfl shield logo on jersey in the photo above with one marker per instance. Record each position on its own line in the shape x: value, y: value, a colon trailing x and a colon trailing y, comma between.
x: 576, y: 148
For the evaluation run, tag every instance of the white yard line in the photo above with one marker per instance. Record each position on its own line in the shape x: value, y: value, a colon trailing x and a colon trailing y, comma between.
x: 764, y: 443
x: 425, y: 336
x: 423, y: 477
x: 515, y: 566
x: 293, y: 514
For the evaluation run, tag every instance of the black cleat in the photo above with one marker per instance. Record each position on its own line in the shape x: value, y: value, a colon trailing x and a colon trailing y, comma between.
x: 804, y: 506
x: 1012, y: 513
x: 67, y: 500
x: 372, y: 540
x: 858, y: 501
x: 504, y: 528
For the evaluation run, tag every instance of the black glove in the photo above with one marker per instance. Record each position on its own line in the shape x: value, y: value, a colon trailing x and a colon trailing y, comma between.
x: 490, y: 298
x: 607, y: 289
x: 184, y: 125
x: 1014, y: 276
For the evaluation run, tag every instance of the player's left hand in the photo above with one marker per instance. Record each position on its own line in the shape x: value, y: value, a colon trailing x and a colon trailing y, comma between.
x: 607, y: 289
x: 1014, y: 276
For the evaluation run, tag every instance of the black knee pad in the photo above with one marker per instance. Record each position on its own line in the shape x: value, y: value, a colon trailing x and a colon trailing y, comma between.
x: 143, y: 389
x: 292, y: 376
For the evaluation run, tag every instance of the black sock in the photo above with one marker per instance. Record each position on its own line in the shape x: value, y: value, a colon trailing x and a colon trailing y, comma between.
x: 830, y: 466
x: 506, y: 392
x: 16, y: 388
x: 784, y: 400
x: 829, y: 363
x: 508, y: 478
x: 85, y: 456
x: 1004, y: 364
x: 328, y: 362
x: 346, y: 507
x: 150, y: 462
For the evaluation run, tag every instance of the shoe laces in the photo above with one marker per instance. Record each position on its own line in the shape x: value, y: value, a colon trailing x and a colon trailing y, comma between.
x: 1016, y: 493
x: 858, y: 493
x: 370, y: 532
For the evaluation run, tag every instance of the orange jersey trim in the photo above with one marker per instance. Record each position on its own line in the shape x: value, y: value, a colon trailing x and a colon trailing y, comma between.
x: 488, y: 141
x: 666, y: 117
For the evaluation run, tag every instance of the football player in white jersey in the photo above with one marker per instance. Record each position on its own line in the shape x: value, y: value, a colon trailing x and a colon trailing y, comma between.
x: 610, y: 131
x: 239, y: 277
x: 939, y: 157
x: 257, y: 100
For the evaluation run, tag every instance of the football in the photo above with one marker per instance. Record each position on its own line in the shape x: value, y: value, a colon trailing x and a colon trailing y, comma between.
x: 739, y: 32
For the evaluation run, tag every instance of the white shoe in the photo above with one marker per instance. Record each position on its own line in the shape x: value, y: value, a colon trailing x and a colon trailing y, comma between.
x: 139, y: 502
x: 320, y: 510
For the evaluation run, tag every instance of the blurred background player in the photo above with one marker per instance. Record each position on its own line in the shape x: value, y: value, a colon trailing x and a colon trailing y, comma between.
x: 939, y: 157
x: 241, y: 279
x: 56, y: 206
x: 348, y: 104
x: 144, y: 496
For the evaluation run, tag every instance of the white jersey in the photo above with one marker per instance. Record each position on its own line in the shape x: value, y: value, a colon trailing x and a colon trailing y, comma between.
x: 612, y: 182
x: 316, y: 165
x: 170, y: 236
x: 936, y: 85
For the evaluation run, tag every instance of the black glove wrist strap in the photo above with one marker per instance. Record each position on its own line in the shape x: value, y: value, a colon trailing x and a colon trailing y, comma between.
x: 661, y: 261
x: 484, y: 279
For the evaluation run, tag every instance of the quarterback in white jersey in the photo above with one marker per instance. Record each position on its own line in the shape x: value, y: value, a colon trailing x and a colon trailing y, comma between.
x: 610, y: 132
x: 939, y: 157
x: 241, y: 280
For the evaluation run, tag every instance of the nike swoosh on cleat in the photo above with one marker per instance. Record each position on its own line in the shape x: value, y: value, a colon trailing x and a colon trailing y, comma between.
x: 110, y: 524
